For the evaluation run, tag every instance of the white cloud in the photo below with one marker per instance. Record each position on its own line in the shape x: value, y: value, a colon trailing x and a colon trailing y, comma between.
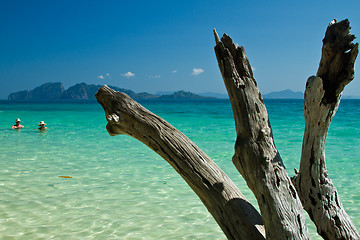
x: 101, y: 76
x: 128, y: 74
x: 197, y: 71
x: 175, y: 71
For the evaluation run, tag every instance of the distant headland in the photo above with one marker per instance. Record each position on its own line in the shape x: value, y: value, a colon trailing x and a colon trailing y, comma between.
x: 55, y: 91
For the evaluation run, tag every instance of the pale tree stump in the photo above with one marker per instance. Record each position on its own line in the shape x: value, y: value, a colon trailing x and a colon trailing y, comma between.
x: 256, y: 156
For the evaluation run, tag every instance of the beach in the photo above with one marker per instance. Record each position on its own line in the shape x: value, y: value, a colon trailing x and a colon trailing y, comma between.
x: 74, y: 181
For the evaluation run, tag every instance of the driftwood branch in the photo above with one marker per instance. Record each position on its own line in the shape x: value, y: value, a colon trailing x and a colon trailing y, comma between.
x: 256, y: 157
x: 322, y: 96
x: 235, y: 215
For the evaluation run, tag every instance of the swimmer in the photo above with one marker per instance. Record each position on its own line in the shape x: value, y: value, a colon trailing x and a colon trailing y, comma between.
x: 17, y: 124
x: 42, y: 126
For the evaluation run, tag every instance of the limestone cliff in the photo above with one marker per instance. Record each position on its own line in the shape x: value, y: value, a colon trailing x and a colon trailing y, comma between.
x: 48, y: 91
x: 83, y: 91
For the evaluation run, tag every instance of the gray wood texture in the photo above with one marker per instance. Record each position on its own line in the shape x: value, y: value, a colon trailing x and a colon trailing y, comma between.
x: 318, y: 194
x: 256, y: 156
x: 280, y: 198
x: 235, y: 215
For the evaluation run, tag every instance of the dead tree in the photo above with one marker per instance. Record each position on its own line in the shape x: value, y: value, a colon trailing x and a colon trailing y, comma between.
x: 256, y: 157
x: 322, y: 97
x: 235, y: 215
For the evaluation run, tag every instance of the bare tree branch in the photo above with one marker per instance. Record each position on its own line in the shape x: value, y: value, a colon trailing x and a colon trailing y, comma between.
x: 256, y: 157
x: 235, y: 215
x: 322, y: 96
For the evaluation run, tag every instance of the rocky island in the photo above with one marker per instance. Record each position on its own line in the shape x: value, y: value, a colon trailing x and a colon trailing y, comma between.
x: 53, y: 91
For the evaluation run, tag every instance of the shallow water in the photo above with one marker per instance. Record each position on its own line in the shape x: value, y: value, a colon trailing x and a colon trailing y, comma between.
x: 120, y: 189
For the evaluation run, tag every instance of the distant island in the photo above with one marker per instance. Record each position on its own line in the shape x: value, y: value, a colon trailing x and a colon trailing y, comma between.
x: 285, y: 94
x: 288, y: 94
x: 53, y: 91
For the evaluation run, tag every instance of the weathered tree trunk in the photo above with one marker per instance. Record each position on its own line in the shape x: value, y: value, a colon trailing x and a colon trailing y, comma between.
x: 256, y: 157
x: 322, y: 96
x: 235, y: 215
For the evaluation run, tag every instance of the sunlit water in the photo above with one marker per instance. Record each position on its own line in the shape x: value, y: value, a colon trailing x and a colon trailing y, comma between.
x: 120, y: 189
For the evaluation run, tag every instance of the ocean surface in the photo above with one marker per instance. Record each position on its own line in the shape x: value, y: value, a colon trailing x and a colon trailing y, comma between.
x: 117, y: 188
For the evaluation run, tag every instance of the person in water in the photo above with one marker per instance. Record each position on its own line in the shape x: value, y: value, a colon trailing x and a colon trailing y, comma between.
x: 42, y: 126
x: 17, y: 124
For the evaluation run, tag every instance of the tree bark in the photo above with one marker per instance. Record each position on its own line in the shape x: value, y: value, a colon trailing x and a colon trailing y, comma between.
x: 235, y: 215
x: 322, y: 96
x: 256, y: 157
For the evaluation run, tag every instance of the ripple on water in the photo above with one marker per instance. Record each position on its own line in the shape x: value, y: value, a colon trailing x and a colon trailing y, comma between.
x: 122, y: 190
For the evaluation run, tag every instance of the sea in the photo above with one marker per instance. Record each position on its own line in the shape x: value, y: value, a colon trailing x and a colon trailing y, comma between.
x: 75, y: 181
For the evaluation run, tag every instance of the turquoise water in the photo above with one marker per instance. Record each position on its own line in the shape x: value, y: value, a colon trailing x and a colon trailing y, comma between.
x: 120, y: 189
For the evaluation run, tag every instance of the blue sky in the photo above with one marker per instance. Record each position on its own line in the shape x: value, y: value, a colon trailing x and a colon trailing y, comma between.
x: 163, y: 45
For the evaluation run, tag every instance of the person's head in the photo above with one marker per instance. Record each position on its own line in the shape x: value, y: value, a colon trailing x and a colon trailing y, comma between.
x: 42, y: 124
x: 18, y: 121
